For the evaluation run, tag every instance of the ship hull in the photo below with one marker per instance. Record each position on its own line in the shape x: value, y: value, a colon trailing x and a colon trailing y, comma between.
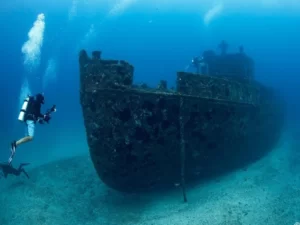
x: 141, y: 139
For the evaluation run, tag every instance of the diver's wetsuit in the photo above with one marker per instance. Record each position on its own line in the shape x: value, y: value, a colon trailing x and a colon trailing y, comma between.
x: 8, y: 169
x: 34, y: 110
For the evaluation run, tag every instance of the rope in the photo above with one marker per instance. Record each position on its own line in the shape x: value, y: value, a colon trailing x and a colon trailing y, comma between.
x: 182, y: 150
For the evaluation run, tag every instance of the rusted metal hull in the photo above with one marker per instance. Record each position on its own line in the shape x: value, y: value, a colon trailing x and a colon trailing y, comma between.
x: 143, y: 138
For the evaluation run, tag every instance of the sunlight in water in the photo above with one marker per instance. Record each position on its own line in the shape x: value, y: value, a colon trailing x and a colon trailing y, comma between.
x: 120, y: 7
x: 213, y: 13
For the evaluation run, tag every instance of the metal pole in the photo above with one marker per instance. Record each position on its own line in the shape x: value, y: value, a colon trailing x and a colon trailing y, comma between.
x: 182, y: 152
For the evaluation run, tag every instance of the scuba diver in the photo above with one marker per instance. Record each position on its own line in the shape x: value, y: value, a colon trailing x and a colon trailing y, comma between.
x: 30, y: 114
x: 9, y: 169
x: 200, y: 64
x: 196, y: 63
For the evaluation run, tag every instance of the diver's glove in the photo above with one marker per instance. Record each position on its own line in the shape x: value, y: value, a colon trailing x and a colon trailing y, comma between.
x: 47, y: 118
x: 41, y: 120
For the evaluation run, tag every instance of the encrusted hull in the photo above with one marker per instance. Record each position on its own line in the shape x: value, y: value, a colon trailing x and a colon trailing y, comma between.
x: 141, y: 138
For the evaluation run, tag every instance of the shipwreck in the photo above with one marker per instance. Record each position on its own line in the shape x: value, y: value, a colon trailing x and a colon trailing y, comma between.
x: 214, y: 121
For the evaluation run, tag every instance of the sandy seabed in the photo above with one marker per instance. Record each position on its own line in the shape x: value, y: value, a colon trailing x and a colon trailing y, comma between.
x: 69, y: 192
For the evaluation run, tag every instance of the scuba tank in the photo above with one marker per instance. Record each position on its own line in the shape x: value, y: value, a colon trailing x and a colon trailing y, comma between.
x: 23, y: 109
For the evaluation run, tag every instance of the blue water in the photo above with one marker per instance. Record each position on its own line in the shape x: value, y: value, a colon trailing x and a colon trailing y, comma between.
x: 158, y: 37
